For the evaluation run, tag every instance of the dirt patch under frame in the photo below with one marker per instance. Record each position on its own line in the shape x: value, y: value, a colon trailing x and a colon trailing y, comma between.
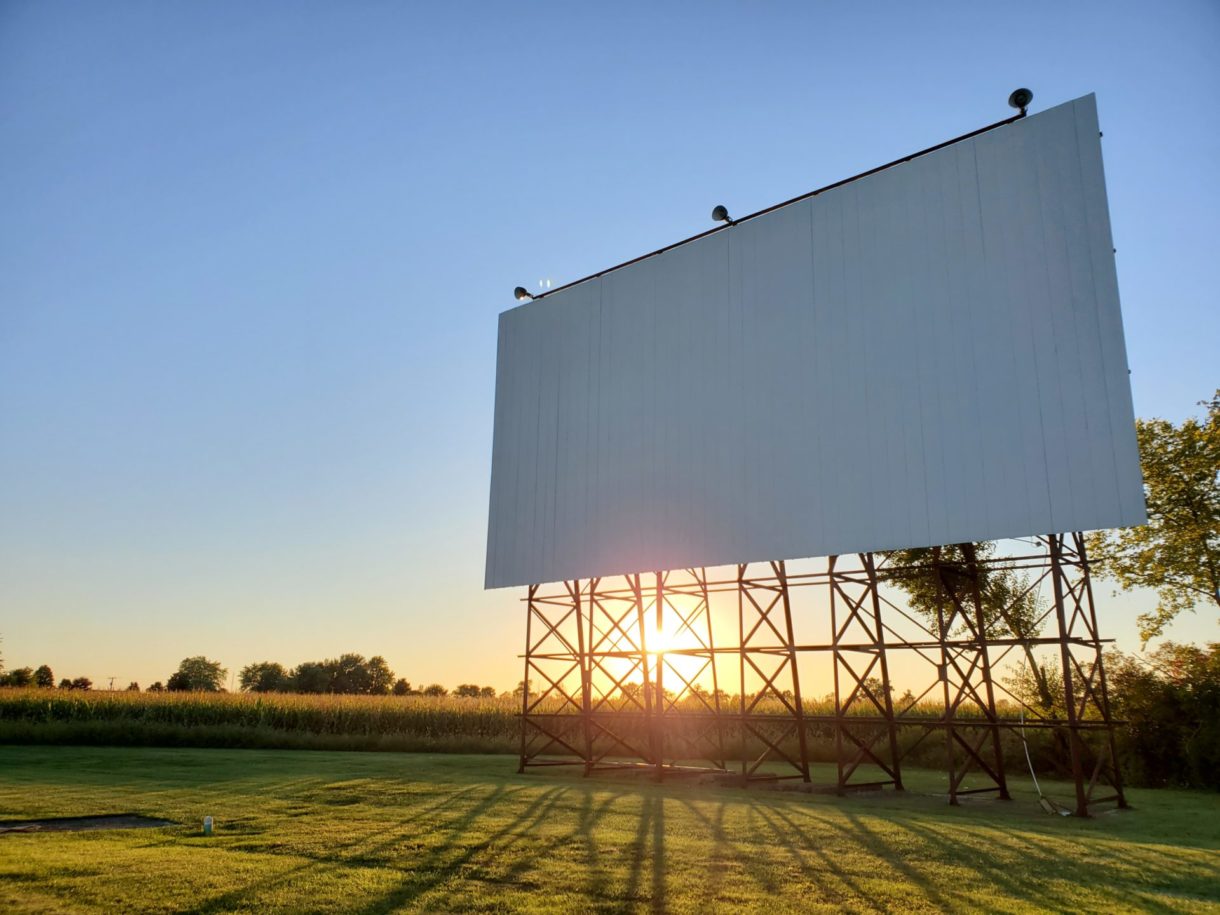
x: 82, y: 824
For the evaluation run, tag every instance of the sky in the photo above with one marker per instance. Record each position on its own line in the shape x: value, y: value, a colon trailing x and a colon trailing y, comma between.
x: 252, y: 255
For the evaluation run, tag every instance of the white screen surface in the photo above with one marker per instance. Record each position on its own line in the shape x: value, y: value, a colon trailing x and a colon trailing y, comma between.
x: 931, y: 354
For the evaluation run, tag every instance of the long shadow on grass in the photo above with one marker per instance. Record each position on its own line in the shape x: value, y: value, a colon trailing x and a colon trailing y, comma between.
x: 652, y: 823
x: 441, y: 863
x: 1029, y: 868
x: 962, y: 844
x: 527, y: 839
x: 514, y: 838
x: 768, y: 819
x: 792, y: 839
x: 361, y: 852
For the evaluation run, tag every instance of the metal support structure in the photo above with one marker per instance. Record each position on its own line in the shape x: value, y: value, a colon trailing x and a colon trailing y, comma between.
x: 771, y: 720
x: 629, y: 672
x: 688, y: 717
x: 1085, y: 697
x: 621, y: 707
x: 965, y: 673
x: 553, y: 688
x: 862, y: 690
x: 614, y: 675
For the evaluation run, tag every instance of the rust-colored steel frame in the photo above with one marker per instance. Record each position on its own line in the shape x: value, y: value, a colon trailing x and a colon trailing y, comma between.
x: 766, y: 656
x: 1094, y: 759
x: 597, y: 695
x: 861, y: 676
x: 604, y: 699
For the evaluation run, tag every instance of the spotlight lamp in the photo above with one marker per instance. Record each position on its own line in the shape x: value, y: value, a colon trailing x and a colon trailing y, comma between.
x: 720, y: 213
x: 522, y: 294
x: 1020, y: 98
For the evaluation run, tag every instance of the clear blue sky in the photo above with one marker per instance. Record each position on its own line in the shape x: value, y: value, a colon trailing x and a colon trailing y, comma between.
x: 252, y: 254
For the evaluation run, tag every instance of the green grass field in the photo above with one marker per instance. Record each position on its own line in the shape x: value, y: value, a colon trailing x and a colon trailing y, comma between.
x: 362, y: 832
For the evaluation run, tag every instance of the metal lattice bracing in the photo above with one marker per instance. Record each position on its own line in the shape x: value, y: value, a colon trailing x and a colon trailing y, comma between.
x: 603, y: 694
x: 771, y: 722
x: 689, y: 723
x: 861, y: 675
x: 1086, y: 699
x: 964, y: 670
x: 619, y: 716
x: 553, y: 694
x: 637, y: 671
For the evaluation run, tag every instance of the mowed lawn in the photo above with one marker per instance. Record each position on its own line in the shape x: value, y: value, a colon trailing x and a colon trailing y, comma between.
x: 378, y: 832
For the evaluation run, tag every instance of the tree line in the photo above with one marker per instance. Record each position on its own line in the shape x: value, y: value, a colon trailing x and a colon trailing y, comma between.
x: 349, y: 674
x: 41, y: 677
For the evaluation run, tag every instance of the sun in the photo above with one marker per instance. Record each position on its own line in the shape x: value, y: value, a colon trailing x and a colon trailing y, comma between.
x: 658, y: 637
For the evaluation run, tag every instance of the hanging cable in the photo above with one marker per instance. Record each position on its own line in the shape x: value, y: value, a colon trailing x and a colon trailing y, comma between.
x: 1044, y: 802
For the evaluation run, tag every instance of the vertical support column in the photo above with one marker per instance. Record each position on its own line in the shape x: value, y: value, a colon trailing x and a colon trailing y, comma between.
x: 836, y: 662
x: 942, y: 636
x: 525, y: 675
x: 582, y: 648
x: 870, y: 568
x: 659, y: 706
x: 984, y: 657
x: 1065, y: 659
x: 1116, y: 775
x: 649, y: 697
x: 741, y: 667
x: 1084, y: 677
x: 802, y: 738
x: 721, y: 759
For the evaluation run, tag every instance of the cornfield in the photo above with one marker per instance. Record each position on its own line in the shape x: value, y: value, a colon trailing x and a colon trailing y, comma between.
x: 338, y: 722
x: 259, y: 719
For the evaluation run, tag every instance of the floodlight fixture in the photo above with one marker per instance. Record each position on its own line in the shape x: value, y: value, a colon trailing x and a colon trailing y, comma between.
x: 720, y: 213
x: 522, y: 294
x: 1020, y: 98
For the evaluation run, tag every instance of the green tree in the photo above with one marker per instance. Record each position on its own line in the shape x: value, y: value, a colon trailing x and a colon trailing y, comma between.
x: 65, y: 683
x: 466, y: 690
x: 44, y: 677
x: 197, y: 675
x: 402, y: 687
x: 263, y: 677
x: 435, y: 689
x: 1170, y: 699
x: 82, y: 683
x: 157, y: 687
x: 311, y: 677
x: 1177, y: 553
x: 133, y: 687
x: 22, y: 676
x: 487, y: 692
x: 350, y: 674
x: 381, y: 678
